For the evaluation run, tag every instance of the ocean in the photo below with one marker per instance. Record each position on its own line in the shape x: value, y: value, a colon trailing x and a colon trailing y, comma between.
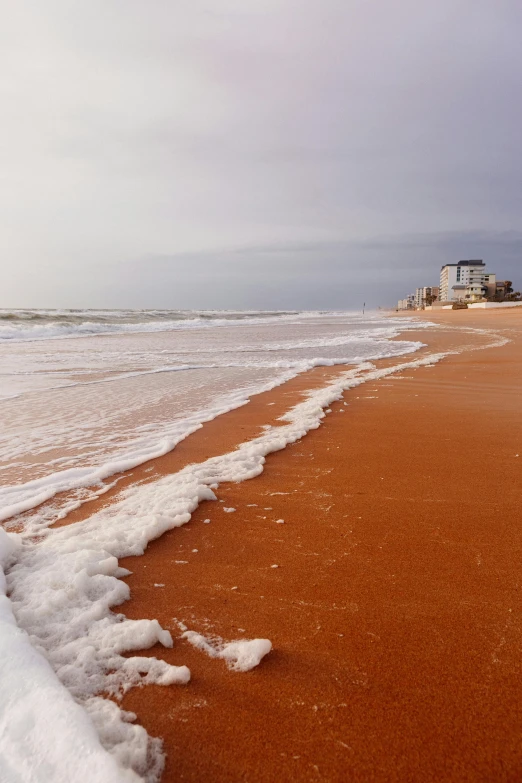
x: 87, y: 393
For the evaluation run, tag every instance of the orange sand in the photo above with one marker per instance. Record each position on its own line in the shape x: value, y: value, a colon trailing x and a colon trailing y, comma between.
x: 395, y: 612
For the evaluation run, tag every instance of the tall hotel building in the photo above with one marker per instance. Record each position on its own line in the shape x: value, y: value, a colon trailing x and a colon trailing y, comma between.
x: 466, y: 280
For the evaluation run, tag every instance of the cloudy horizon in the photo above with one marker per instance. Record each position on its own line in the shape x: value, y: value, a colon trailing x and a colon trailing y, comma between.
x: 255, y: 153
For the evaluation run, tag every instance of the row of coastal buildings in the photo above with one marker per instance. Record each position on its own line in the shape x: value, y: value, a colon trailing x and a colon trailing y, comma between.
x: 463, y: 283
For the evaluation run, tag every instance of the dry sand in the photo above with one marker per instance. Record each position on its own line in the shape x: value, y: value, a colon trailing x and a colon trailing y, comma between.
x: 395, y: 612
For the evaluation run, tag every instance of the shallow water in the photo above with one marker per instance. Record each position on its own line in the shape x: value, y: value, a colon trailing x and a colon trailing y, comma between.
x: 78, y: 407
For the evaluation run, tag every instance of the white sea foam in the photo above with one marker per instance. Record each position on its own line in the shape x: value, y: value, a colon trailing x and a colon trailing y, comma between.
x: 43, y: 731
x: 241, y: 655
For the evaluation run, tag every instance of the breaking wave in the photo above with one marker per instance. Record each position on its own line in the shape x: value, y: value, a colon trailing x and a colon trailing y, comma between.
x: 20, y: 325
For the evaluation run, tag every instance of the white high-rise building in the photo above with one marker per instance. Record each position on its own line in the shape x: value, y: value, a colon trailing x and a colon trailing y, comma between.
x: 421, y: 294
x: 419, y: 297
x: 465, y: 280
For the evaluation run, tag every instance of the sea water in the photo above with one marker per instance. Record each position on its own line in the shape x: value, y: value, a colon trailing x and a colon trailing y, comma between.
x: 85, y: 394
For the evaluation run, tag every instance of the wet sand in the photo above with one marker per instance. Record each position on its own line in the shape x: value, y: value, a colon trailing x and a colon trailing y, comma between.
x: 395, y: 610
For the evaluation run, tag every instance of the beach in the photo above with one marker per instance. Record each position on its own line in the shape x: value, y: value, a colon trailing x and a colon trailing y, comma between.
x: 394, y: 611
x: 261, y: 392
x: 380, y: 555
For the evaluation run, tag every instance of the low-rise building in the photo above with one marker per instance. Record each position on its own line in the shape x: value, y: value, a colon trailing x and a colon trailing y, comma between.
x: 502, y: 288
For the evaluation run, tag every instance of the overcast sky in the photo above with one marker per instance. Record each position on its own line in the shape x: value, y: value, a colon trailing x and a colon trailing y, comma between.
x: 255, y: 153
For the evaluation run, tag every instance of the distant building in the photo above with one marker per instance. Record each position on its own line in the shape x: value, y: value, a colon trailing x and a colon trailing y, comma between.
x: 502, y: 288
x: 425, y: 295
x: 466, y: 281
x: 406, y: 304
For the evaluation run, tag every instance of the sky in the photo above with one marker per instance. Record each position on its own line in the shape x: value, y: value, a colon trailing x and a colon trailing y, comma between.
x: 255, y: 153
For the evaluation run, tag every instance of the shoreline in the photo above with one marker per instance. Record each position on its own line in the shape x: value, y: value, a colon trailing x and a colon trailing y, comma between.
x: 320, y: 631
x: 62, y: 490
x: 226, y: 432
x: 220, y: 435
x: 210, y: 577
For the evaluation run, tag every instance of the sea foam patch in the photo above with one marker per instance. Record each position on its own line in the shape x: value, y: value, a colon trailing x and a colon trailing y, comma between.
x: 241, y: 655
x: 43, y: 730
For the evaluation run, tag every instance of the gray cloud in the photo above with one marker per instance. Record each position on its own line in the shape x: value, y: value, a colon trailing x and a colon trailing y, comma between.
x: 267, y: 153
